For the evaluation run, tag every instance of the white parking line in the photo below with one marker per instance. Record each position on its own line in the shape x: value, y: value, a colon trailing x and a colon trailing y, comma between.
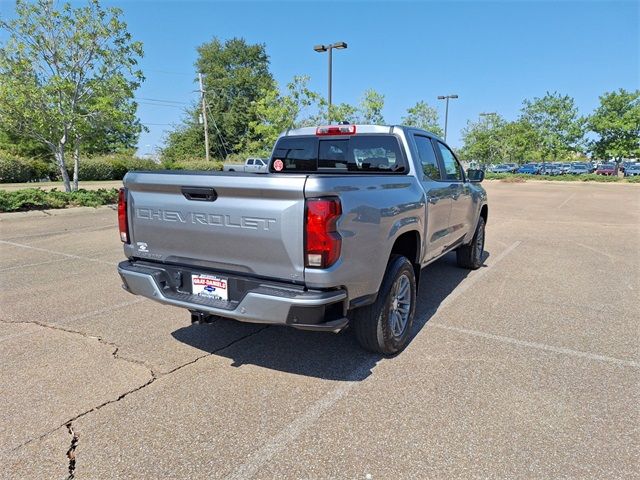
x: 567, y: 200
x: 477, y: 275
x: 46, y: 250
x: 292, y: 431
x: 539, y: 346
x: 31, y: 265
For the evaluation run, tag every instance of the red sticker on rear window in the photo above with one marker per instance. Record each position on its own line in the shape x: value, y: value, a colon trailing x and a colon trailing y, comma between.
x: 278, y: 165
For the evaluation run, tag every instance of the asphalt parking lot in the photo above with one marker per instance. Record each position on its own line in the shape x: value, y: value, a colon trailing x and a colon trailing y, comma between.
x: 526, y: 368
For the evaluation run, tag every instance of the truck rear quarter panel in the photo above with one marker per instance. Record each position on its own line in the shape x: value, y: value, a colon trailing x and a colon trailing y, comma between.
x: 376, y: 210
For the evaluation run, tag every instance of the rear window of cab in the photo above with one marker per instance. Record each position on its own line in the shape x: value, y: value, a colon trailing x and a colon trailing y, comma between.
x: 362, y: 153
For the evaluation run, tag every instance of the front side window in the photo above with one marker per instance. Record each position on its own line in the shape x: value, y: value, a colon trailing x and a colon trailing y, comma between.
x: 428, y: 159
x: 452, y: 168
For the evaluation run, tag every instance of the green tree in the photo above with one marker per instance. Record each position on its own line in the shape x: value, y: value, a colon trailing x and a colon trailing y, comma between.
x: 277, y: 112
x: 66, y: 75
x: 616, y: 121
x: 482, y: 140
x: 236, y: 76
x: 519, y: 142
x: 423, y: 116
x: 555, y: 120
x: 370, y: 108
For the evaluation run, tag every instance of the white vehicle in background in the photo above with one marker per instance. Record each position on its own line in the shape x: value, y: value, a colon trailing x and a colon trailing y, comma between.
x: 251, y: 165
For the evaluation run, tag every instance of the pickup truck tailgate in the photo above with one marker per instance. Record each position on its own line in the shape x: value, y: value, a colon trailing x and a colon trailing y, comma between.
x: 241, y: 223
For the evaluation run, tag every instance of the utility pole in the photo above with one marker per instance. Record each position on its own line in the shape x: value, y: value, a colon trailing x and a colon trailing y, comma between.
x: 204, y: 118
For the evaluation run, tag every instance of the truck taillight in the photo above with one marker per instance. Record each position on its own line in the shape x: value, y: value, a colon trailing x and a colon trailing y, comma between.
x: 123, y: 224
x: 322, y: 242
x: 336, y: 130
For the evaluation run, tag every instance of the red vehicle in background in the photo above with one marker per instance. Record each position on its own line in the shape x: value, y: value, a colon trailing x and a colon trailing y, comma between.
x: 607, y: 169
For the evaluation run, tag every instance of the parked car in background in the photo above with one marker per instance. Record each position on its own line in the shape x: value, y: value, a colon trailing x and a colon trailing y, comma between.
x: 251, y: 165
x: 609, y: 169
x: 564, y: 168
x: 529, y: 169
x: 550, y: 169
x: 504, y: 168
x: 632, y: 170
x: 579, y: 169
x: 624, y: 165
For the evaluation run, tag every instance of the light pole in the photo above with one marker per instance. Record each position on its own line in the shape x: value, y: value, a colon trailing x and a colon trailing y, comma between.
x: 490, y: 115
x: 329, y: 48
x: 446, y: 111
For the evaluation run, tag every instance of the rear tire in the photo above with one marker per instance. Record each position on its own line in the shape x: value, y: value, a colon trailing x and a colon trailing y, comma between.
x: 472, y: 256
x: 384, y: 326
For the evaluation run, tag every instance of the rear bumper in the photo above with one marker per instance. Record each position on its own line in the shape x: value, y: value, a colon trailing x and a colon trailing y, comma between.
x: 266, y: 303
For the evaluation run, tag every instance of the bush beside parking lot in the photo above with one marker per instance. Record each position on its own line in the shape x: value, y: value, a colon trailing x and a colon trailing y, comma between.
x: 110, y: 167
x: 37, y: 199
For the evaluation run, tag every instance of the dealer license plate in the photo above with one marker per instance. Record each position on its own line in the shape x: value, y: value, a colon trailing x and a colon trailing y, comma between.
x: 209, y: 286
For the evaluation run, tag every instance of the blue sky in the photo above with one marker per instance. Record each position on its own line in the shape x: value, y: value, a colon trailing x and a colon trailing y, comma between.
x: 492, y: 54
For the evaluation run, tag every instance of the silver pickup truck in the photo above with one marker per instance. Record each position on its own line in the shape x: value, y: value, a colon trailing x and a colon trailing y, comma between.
x: 334, y: 234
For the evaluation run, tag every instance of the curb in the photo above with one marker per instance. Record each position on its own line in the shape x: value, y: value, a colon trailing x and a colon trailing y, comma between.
x: 56, y: 212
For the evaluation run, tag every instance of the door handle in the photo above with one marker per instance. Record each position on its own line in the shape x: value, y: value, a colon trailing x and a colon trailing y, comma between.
x: 200, y: 194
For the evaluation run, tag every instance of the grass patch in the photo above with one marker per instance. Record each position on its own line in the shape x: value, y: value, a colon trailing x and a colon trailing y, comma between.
x: 37, y: 199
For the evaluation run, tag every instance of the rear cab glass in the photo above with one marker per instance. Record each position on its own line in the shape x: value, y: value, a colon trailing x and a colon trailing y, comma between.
x: 364, y: 153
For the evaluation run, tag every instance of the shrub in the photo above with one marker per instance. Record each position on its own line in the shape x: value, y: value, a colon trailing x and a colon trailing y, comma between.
x: 37, y: 199
x: 121, y: 164
x: 201, y: 165
x: 14, y: 169
x: 95, y: 169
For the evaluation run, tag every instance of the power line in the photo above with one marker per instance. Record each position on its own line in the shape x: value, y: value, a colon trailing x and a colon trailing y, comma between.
x: 162, y: 105
x: 166, y: 72
x: 162, y: 100
x: 222, y: 142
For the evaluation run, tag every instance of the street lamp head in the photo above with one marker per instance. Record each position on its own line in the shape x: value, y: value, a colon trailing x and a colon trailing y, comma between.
x: 453, y: 96
x: 441, y: 97
x: 320, y: 48
x: 339, y: 45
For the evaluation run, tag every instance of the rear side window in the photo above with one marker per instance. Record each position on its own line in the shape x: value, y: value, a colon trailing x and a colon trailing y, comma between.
x: 428, y: 159
x: 360, y: 153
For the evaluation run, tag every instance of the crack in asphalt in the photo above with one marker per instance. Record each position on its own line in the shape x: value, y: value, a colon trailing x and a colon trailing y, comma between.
x: 71, y: 453
x: 153, y: 378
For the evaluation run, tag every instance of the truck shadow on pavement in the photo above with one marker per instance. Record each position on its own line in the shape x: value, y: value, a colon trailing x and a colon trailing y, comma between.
x: 316, y: 354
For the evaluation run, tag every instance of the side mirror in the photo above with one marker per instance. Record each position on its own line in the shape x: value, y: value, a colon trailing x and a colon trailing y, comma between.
x: 475, y: 175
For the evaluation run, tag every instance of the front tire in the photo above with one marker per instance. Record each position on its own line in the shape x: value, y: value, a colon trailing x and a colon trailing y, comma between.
x: 472, y: 256
x: 384, y: 326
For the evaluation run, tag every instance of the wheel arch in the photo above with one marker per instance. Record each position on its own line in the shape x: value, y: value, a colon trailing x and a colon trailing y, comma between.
x: 408, y: 244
